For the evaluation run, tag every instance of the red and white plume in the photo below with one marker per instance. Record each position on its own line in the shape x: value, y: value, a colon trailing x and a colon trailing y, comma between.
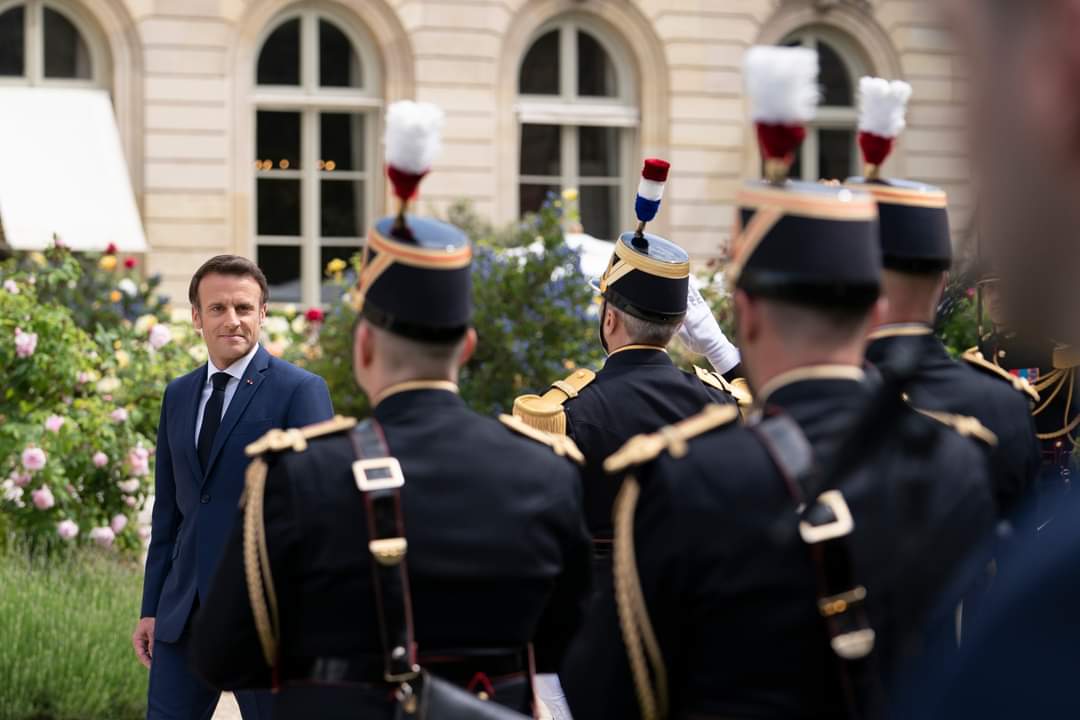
x: 782, y: 85
x: 413, y: 139
x: 882, y: 107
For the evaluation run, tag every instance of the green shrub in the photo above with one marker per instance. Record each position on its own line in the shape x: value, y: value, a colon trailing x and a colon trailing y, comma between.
x: 65, y: 652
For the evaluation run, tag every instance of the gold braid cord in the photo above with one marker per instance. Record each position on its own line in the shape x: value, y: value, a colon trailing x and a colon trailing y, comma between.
x: 642, y: 648
x: 260, y: 583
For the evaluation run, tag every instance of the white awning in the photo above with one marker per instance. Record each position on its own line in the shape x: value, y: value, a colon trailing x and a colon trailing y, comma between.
x: 62, y: 171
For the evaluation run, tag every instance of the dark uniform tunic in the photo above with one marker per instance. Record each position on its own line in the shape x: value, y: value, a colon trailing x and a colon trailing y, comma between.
x: 941, y: 383
x: 1056, y: 415
x: 730, y: 585
x: 498, y: 557
x: 639, y: 390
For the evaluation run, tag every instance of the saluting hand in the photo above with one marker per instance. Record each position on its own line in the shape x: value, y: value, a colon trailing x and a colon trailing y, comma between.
x: 143, y: 640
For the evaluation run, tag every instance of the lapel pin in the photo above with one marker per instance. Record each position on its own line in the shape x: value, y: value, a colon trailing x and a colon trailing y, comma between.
x: 249, y: 381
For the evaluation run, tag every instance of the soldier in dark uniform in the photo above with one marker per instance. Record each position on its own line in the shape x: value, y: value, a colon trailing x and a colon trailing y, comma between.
x: 917, y: 253
x: 639, y: 389
x: 748, y: 584
x: 498, y: 558
x: 1051, y: 368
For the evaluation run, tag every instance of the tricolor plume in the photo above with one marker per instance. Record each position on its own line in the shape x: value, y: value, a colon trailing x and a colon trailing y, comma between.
x: 650, y: 189
x: 782, y: 85
x: 412, y: 142
x: 882, y: 107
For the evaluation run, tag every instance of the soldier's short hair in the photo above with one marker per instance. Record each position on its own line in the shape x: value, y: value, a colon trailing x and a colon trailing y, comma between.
x: 228, y: 265
x: 821, y: 325
x: 648, y: 332
x: 426, y: 359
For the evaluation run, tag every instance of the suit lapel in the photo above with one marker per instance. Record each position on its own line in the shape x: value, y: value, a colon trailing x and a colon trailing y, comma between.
x: 245, y: 391
x: 189, y: 412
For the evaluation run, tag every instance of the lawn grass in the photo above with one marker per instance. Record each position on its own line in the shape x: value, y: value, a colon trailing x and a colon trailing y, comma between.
x: 65, y: 652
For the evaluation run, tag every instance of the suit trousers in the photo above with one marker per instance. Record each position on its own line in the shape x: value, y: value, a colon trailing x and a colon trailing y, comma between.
x: 177, y: 693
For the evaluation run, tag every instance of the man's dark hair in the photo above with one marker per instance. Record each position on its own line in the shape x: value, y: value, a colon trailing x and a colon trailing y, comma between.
x: 228, y: 265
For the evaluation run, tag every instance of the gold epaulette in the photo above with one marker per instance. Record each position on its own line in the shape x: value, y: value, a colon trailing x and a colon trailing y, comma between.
x: 561, y: 444
x: 738, y: 388
x: 1066, y: 358
x: 673, y: 438
x: 974, y: 357
x: 962, y: 424
x: 545, y: 412
x: 295, y: 439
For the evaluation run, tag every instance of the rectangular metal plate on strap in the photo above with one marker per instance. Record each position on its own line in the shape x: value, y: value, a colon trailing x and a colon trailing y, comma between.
x: 842, y: 524
x: 378, y: 474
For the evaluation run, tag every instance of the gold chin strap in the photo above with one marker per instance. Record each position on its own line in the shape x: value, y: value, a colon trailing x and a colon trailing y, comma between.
x: 260, y: 582
x: 747, y: 239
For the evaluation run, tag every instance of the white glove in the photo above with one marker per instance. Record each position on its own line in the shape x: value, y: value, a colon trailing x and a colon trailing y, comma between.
x: 702, y: 334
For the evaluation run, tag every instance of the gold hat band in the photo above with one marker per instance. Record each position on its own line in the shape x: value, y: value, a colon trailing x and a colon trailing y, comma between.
x: 625, y: 260
x: 432, y: 259
x: 860, y: 207
x: 934, y: 199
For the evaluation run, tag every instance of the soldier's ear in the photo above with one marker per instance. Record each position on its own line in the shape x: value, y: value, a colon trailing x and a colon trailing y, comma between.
x: 878, y: 313
x: 468, y: 347
x: 747, y: 318
x: 363, y: 345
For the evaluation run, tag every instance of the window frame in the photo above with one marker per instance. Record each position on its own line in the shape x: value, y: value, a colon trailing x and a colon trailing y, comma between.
x: 310, y: 99
x: 569, y: 111
x: 832, y: 117
x: 34, y: 46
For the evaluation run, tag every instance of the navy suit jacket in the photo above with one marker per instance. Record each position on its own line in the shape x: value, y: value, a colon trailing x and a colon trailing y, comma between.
x: 193, y: 509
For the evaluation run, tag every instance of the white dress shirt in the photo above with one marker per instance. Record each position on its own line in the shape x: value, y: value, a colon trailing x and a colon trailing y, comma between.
x: 236, y: 371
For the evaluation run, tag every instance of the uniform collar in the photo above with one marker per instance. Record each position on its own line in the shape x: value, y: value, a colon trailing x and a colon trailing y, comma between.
x: 629, y: 355
x: 848, y: 373
x: 236, y: 370
x: 901, y: 330
x: 413, y: 385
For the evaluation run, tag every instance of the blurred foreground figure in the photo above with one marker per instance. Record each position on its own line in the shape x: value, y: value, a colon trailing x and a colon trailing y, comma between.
x: 782, y: 569
x: 426, y: 539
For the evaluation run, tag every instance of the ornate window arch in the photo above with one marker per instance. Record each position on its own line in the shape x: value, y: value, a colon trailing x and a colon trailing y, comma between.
x: 50, y: 43
x: 316, y: 97
x: 577, y: 113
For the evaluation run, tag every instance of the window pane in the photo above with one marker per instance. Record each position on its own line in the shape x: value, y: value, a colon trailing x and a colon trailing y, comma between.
x: 541, y: 148
x: 595, y: 71
x: 540, y: 68
x: 531, y: 197
x: 835, y: 150
x: 834, y: 77
x: 598, y: 150
x: 278, y: 204
x: 342, y: 208
x: 12, y: 50
x: 66, y: 53
x: 599, y: 205
x: 281, y: 265
x: 339, y: 65
x: 277, y: 140
x: 331, y: 292
x: 279, y: 59
x: 342, y: 141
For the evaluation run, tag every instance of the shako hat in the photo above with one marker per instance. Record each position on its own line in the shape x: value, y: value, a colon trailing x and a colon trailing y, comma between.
x: 415, y: 277
x: 648, y: 276
x: 808, y: 243
x: 913, y: 217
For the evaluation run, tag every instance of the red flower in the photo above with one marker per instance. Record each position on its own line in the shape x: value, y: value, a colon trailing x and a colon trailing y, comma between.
x: 315, y: 315
x: 129, y: 263
x: 111, y: 249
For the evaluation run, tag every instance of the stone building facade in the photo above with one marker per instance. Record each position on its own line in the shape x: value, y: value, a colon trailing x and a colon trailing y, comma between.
x: 253, y: 126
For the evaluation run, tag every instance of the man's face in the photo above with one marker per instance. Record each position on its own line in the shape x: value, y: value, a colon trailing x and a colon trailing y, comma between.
x: 1023, y: 127
x: 229, y: 315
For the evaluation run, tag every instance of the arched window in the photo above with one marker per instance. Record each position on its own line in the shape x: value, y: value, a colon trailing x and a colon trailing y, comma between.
x: 577, y: 113
x: 316, y: 103
x: 830, y: 151
x: 44, y: 43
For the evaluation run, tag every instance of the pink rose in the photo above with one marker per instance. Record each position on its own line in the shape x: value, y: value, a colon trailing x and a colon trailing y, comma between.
x: 53, y: 423
x: 119, y: 415
x: 160, y: 336
x: 11, y: 286
x: 139, y: 460
x: 103, y: 536
x: 144, y: 533
x: 25, y: 343
x: 119, y: 522
x: 33, y: 458
x: 130, y: 501
x: 67, y: 529
x: 100, y: 459
x: 21, y: 480
x: 82, y: 378
x: 128, y: 486
x: 43, y: 498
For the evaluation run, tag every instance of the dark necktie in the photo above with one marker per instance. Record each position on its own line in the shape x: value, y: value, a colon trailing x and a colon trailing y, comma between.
x: 211, y: 418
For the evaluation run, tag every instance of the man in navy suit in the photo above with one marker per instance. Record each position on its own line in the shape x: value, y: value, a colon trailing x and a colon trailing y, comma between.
x: 207, y: 418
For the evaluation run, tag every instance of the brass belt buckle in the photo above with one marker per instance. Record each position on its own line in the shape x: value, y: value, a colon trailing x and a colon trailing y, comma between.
x: 841, y: 526
x: 378, y: 474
